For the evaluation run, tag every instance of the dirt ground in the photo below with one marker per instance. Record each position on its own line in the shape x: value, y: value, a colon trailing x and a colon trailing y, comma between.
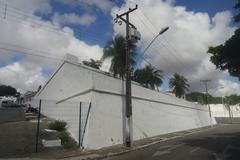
x: 17, y: 139
x: 18, y: 136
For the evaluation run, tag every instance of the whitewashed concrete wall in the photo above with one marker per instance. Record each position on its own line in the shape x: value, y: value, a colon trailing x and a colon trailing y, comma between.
x: 220, y: 110
x: 68, y: 112
x: 67, y: 81
x: 149, y: 119
x: 154, y: 113
x: 235, y: 109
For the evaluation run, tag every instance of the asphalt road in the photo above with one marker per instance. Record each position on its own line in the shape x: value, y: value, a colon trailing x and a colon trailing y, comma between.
x: 219, y: 143
x: 11, y: 115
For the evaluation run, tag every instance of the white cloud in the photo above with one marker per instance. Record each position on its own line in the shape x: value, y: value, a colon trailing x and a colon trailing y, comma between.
x: 18, y: 76
x: 30, y: 6
x: 183, y: 48
x: 72, y: 18
x: 227, y: 87
x: 43, y: 38
x: 104, y: 5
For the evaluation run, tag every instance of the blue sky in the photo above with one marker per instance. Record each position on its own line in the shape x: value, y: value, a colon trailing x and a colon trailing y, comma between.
x: 98, y: 32
x: 209, y: 6
x: 101, y: 30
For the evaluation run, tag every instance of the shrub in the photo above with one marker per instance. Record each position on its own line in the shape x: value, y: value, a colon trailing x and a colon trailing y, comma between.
x: 64, y: 137
x: 66, y: 140
x: 57, y: 125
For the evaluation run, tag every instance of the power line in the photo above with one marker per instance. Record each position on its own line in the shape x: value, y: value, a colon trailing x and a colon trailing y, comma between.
x: 28, y: 53
x: 162, y: 59
x: 159, y: 40
x: 14, y: 13
x: 149, y: 45
x: 153, y: 35
x: 148, y: 62
x: 45, y: 27
x: 170, y: 46
x: 15, y: 9
x: 163, y: 38
x: 142, y: 56
x: 29, y: 9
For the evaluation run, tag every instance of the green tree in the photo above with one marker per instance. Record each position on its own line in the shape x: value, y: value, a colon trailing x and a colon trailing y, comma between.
x: 237, y: 16
x: 116, y: 49
x: 232, y: 99
x: 148, y: 77
x: 196, y: 97
x: 226, y: 56
x: 93, y: 63
x: 7, y: 91
x: 179, y: 84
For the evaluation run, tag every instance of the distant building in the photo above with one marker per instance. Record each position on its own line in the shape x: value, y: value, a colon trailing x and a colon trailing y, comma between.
x: 26, y: 98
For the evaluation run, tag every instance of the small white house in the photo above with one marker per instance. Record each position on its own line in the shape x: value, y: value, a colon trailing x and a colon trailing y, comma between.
x: 98, y: 121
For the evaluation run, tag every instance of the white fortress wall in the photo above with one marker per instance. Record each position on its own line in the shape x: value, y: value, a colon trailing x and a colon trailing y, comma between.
x: 154, y: 113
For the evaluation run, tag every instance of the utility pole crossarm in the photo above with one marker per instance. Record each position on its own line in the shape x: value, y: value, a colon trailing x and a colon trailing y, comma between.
x: 206, y: 80
x: 124, y: 20
x: 125, y: 13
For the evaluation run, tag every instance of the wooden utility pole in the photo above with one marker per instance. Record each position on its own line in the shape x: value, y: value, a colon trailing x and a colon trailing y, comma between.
x: 206, y: 87
x: 128, y: 109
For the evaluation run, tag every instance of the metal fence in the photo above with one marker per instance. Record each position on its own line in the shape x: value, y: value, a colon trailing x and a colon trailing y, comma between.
x: 75, y: 114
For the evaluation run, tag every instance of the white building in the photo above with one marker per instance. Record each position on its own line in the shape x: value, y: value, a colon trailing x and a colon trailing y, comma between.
x: 101, y: 123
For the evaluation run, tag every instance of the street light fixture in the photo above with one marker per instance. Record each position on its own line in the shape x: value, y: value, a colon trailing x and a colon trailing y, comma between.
x: 163, y: 30
x: 144, y: 51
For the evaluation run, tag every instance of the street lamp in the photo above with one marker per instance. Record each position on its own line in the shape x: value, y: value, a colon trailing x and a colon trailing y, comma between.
x: 144, y: 51
x: 163, y: 30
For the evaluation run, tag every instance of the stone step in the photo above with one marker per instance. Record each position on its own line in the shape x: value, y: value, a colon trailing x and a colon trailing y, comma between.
x: 51, y: 143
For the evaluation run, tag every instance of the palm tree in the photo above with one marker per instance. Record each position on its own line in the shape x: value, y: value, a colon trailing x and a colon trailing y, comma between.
x: 93, y: 63
x: 179, y: 84
x: 149, y: 77
x: 116, y: 49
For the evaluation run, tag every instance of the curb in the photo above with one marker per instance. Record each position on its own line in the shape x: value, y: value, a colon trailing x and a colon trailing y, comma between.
x: 108, y: 155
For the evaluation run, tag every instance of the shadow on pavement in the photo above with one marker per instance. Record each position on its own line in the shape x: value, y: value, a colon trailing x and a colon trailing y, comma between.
x: 223, y: 146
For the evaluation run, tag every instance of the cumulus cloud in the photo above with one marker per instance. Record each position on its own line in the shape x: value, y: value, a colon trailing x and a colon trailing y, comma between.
x: 17, y: 75
x: 183, y: 48
x: 72, y: 18
x: 103, y: 5
x: 49, y: 41
x: 227, y: 87
x: 42, y: 6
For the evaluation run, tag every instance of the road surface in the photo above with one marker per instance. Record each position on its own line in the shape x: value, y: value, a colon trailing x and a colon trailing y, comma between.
x: 218, y: 143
